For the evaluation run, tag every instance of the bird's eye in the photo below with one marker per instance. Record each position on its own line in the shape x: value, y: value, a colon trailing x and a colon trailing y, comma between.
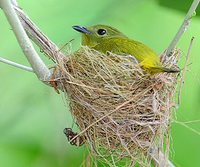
x: 101, y: 31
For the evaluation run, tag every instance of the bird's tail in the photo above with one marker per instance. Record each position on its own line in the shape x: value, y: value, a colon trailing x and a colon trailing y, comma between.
x: 170, y: 70
x: 158, y: 69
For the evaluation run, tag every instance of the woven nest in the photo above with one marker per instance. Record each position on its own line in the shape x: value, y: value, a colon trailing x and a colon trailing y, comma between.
x: 121, y: 110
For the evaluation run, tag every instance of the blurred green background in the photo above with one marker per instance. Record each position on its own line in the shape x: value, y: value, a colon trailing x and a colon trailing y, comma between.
x: 33, y: 116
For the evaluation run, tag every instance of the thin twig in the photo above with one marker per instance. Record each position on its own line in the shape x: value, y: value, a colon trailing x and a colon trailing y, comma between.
x: 41, y: 70
x: 14, y: 64
x: 183, y: 27
x: 188, y: 127
x: 184, y: 70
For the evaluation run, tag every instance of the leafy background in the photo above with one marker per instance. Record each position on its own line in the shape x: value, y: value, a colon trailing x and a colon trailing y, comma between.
x: 33, y: 116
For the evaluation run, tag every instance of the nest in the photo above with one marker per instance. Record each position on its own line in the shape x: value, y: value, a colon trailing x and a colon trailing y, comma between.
x: 122, y: 111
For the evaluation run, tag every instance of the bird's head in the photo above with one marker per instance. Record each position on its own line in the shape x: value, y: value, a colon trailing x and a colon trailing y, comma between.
x: 93, y: 35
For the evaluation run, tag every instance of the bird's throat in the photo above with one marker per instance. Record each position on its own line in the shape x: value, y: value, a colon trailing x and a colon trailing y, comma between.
x: 87, y: 41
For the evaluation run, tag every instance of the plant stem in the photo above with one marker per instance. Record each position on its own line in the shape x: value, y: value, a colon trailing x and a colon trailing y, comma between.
x: 159, y: 158
x: 183, y: 27
x: 41, y: 70
x: 37, y: 36
x: 14, y: 64
x: 184, y: 71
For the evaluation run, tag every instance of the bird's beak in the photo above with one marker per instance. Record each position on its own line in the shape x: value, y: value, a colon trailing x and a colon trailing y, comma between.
x: 81, y: 29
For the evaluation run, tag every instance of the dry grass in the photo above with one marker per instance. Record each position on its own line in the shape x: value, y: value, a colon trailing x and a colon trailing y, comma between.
x: 121, y: 111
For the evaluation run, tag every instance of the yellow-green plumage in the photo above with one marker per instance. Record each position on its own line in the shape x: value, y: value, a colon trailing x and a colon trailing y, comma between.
x: 108, y: 39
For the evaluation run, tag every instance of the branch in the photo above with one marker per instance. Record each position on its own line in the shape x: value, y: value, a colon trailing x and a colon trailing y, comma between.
x: 39, y: 38
x: 183, y: 27
x: 184, y: 71
x: 40, y: 69
x: 16, y: 64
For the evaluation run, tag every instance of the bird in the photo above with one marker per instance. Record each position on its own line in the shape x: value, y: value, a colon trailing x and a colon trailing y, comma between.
x: 105, y: 39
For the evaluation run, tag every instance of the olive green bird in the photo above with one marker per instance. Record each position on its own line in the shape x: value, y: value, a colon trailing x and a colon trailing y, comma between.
x: 108, y: 39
